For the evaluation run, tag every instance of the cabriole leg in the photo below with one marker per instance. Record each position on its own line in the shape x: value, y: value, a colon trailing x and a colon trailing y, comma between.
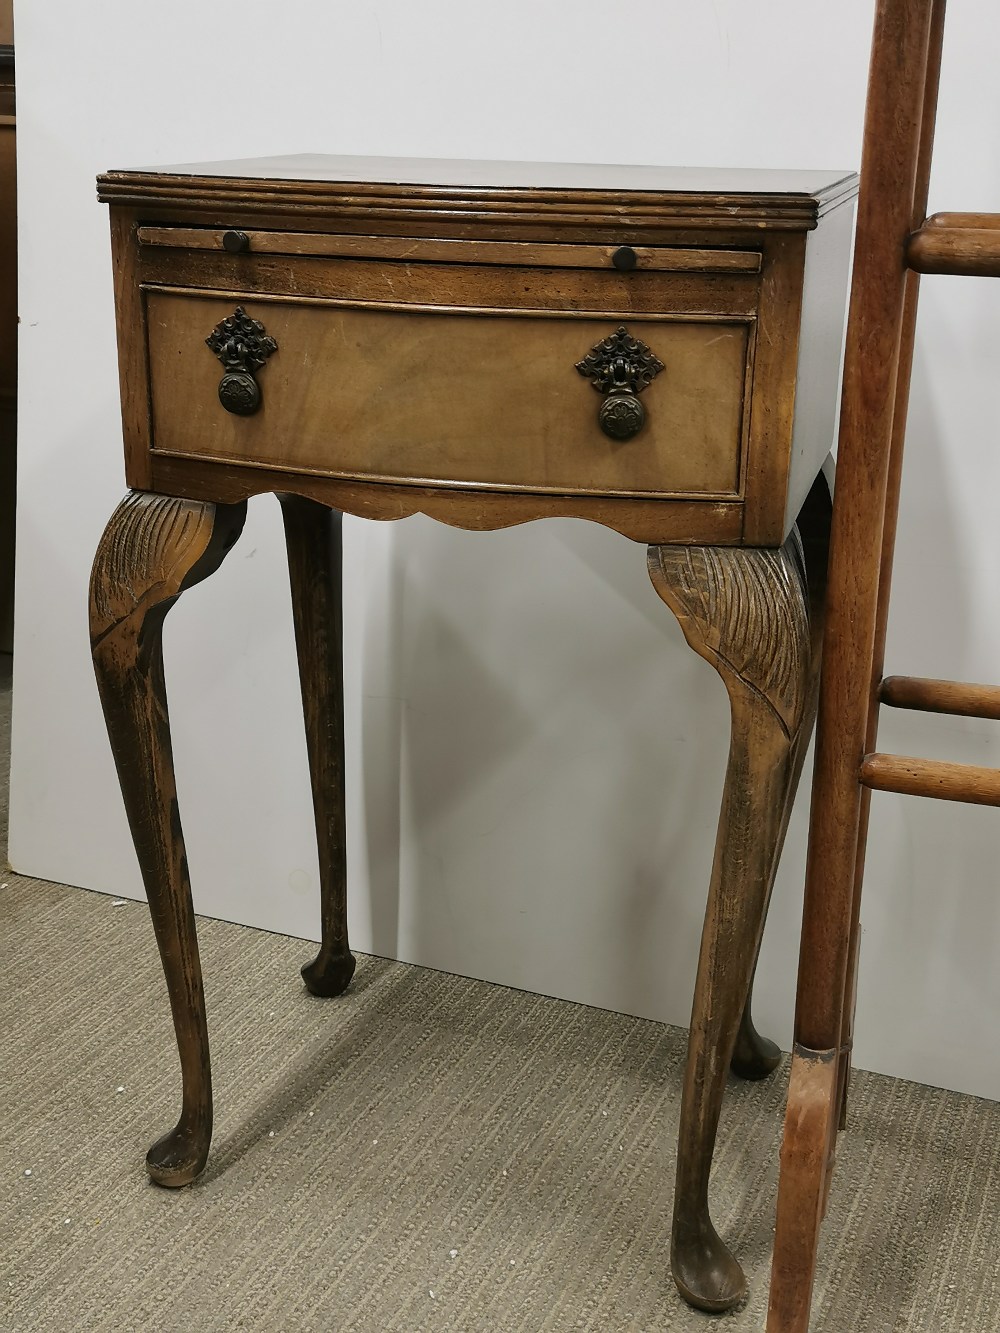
x: 152, y: 549
x: 313, y: 539
x: 747, y: 612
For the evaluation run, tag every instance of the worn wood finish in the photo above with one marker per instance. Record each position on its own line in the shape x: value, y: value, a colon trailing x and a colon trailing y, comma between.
x: 133, y: 360
x: 313, y: 540
x: 894, y: 475
x: 461, y: 284
x: 484, y: 200
x: 973, y: 221
x: 972, y: 251
x: 428, y: 321
x: 766, y: 472
x: 672, y: 259
x: 805, y: 1165
x: 911, y: 776
x: 152, y: 549
x: 746, y: 612
x: 505, y: 275
x: 893, y: 479
x: 885, y: 221
x: 756, y: 1057
x: 642, y: 520
x: 907, y: 335
x: 441, y: 399
x: 941, y: 696
x: 899, y: 127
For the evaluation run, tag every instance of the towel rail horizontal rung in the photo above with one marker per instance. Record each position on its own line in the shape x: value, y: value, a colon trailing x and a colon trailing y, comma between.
x: 964, y: 244
x: 941, y: 696
x: 931, y: 777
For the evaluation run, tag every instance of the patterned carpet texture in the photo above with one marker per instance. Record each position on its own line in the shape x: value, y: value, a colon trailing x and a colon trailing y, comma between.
x: 424, y: 1153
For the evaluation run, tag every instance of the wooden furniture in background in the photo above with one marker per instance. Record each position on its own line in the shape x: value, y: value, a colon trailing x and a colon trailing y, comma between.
x: 487, y: 343
x: 895, y: 242
x: 8, y: 324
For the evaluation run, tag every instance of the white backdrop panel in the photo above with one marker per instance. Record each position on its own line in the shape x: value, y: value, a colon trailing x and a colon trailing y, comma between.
x: 535, y: 757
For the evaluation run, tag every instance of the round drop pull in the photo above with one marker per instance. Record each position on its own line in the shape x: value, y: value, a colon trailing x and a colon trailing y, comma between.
x: 243, y: 345
x: 621, y: 415
x: 620, y: 367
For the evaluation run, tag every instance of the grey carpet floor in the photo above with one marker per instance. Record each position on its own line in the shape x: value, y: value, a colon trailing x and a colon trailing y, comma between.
x: 425, y: 1153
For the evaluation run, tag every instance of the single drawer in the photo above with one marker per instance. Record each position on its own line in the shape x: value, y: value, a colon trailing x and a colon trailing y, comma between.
x: 423, y: 342
x: 478, y: 394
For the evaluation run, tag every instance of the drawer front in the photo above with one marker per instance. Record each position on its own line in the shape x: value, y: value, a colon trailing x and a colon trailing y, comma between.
x: 455, y: 397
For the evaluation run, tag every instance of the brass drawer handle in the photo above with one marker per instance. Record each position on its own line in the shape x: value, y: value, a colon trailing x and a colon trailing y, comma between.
x: 620, y: 367
x: 242, y: 345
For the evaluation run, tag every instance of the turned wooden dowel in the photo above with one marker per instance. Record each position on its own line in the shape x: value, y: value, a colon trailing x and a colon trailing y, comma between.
x: 970, y: 246
x: 972, y: 221
x: 931, y: 777
x: 941, y: 696
x: 899, y: 127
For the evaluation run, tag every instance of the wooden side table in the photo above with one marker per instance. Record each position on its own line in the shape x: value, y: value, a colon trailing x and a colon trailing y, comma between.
x: 653, y: 349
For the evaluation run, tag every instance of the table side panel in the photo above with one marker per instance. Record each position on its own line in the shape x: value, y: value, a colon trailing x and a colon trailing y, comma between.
x: 772, y: 411
x: 821, y: 350
x: 133, y: 363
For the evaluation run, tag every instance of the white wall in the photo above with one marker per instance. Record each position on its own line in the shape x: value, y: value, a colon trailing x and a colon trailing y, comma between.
x: 535, y: 756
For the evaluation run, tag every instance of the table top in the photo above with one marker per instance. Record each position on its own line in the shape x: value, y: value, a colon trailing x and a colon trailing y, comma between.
x: 483, y: 174
x: 741, y: 193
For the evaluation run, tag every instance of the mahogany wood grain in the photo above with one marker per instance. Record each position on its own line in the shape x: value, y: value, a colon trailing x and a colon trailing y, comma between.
x: 152, y: 549
x: 313, y: 541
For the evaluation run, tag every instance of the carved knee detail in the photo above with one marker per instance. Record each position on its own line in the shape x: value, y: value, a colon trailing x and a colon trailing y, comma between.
x: 153, y: 547
x: 746, y: 611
